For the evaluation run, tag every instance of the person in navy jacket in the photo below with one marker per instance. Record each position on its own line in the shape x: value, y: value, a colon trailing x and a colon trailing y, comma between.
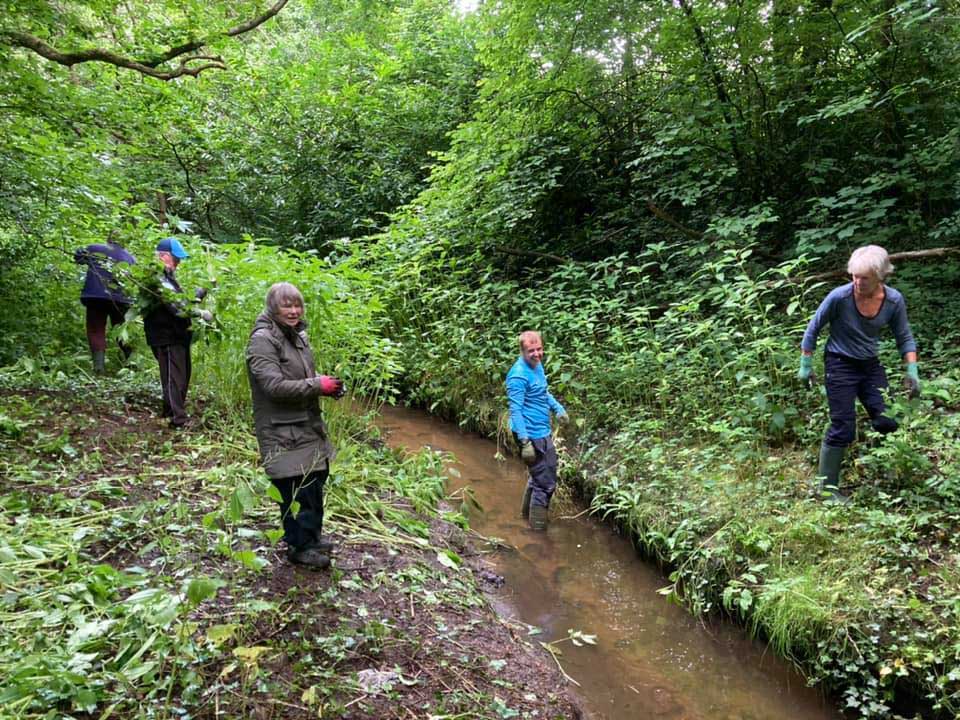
x: 103, y: 296
x: 856, y: 313
x: 530, y: 407
x: 167, y: 324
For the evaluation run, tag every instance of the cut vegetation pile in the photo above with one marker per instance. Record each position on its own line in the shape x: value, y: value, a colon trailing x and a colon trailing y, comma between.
x: 142, y: 577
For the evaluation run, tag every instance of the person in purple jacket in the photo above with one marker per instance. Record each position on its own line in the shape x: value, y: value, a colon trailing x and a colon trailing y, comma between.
x: 102, y: 296
x: 856, y: 313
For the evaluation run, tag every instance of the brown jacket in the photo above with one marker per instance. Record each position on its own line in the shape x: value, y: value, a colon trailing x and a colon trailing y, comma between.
x: 286, y: 408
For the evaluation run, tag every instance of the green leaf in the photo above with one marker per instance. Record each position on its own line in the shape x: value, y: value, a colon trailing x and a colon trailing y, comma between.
x: 449, y: 559
x: 200, y: 589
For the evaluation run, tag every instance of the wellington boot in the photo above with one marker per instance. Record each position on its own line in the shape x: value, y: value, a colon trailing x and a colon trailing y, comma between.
x: 525, y: 503
x: 828, y: 474
x: 310, y: 556
x: 538, y: 517
x: 99, y: 362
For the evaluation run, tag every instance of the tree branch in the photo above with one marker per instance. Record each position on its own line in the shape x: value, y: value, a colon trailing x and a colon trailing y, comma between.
x: 144, y: 66
x: 672, y: 222
x: 534, y: 254
x: 894, y: 257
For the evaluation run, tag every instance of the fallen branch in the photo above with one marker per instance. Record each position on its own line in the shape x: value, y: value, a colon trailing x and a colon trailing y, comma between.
x: 672, y: 222
x: 534, y: 254
x: 894, y: 257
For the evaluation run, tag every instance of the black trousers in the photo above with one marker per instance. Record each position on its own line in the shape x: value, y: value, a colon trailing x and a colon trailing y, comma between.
x: 302, y: 529
x: 848, y: 380
x: 542, y: 479
x: 175, y: 369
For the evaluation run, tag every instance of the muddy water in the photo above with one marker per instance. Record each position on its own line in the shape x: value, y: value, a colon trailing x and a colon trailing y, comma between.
x: 652, y: 659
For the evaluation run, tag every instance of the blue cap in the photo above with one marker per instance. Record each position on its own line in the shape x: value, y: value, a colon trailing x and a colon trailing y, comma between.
x: 172, y: 246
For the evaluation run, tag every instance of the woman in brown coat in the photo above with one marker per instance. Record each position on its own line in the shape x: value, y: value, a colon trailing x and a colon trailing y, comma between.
x: 294, y: 446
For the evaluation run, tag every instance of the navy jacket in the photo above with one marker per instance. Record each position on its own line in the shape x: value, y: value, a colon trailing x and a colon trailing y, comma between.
x: 100, y: 283
x: 167, y: 323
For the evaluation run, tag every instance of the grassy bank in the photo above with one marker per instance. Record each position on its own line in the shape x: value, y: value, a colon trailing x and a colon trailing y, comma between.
x: 142, y: 575
x: 691, y: 433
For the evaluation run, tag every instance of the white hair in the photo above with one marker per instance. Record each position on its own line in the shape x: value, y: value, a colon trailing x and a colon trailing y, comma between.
x: 870, y: 259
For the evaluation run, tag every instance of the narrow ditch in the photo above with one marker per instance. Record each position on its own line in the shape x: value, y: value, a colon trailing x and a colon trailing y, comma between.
x: 652, y: 659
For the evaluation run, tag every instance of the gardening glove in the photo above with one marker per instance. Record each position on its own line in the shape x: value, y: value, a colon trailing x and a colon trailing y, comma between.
x: 204, y: 315
x: 527, y: 453
x: 563, y: 419
x: 805, y: 373
x: 912, y: 381
x: 200, y: 294
x: 331, y: 386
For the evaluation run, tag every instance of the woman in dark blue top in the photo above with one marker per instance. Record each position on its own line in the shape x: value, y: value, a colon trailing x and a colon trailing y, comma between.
x: 856, y: 313
x: 102, y: 296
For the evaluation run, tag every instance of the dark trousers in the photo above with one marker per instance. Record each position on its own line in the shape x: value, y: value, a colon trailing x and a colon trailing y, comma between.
x: 848, y: 379
x: 175, y: 369
x: 302, y: 529
x: 98, y: 312
x: 542, y: 480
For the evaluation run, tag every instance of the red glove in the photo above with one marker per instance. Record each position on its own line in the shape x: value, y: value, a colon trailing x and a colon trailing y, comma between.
x: 331, y: 386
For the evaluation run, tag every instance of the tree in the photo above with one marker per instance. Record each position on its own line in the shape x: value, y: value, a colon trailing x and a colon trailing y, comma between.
x: 191, y: 34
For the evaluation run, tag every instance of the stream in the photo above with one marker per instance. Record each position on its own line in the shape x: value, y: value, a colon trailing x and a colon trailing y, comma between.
x: 652, y: 659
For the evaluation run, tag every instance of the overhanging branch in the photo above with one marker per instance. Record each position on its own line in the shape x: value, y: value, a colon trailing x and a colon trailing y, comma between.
x: 145, y: 66
x: 894, y: 257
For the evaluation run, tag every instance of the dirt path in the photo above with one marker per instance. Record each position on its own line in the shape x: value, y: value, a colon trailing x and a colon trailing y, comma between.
x: 398, y: 628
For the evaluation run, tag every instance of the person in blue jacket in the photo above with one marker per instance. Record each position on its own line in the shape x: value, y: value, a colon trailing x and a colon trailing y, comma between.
x: 856, y: 313
x: 530, y: 406
x: 102, y: 296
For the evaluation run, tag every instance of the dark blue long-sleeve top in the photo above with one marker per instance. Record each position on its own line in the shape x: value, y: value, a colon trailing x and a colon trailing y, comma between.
x: 851, y: 333
x: 530, y: 401
x: 100, y: 283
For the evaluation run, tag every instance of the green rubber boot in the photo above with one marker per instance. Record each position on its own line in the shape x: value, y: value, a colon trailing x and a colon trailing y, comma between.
x: 828, y: 474
x: 99, y: 362
x: 538, y: 518
x: 525, y: 504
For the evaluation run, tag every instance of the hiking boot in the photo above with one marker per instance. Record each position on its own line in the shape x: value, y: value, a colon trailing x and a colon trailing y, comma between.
x: 538, y: 517
x: 525, y: 503
x: 325, y: 545
x: 310, y: 556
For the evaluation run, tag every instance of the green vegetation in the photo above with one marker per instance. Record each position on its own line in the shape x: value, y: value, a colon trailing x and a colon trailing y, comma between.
x: 141, y: 577
x: 660, y: 189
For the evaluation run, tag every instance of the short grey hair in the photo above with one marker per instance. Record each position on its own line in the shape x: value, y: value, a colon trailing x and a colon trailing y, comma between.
x: 280, y: 294
x: 870, y: 259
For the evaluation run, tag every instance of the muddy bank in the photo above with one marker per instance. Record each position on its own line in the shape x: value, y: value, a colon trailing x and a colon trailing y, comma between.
x: 176, y: 550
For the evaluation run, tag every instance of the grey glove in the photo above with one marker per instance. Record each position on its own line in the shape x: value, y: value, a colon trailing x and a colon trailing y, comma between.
x: 527, y: 452
x: 200, y: 294
x: 206, y: 316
